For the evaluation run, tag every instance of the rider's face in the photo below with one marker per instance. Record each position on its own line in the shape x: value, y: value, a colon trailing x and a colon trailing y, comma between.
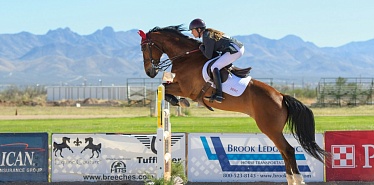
x: 195, y: 33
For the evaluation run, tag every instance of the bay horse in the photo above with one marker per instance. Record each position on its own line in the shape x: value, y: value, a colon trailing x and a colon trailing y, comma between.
x: 270, y: 109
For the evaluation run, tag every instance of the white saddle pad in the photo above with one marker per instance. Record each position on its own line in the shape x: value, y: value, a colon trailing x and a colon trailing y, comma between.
x: 233, y: 86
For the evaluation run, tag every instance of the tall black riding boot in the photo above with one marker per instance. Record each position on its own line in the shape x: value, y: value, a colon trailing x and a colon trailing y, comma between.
x: 217, y: 97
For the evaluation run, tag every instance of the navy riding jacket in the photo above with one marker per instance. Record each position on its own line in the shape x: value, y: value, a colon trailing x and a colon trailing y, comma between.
x: 211, y: 48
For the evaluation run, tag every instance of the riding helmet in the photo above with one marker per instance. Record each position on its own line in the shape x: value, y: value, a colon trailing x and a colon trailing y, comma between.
x: 197, y: 23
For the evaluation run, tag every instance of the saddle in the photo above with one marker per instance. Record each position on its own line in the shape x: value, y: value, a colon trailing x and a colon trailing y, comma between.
x: 225, y: 72
x: 228, y: 70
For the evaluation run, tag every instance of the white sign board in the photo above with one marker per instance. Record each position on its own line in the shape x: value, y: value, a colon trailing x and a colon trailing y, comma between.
x: 245, y: 158
x: 108, y: 157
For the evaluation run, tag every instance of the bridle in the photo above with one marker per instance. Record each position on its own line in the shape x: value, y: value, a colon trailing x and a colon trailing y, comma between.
x: 156, y: 63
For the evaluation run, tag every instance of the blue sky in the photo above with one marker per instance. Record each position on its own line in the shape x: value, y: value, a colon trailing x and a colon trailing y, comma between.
x: 323, y: 22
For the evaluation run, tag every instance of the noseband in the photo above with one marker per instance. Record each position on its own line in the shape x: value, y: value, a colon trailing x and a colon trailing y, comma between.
x: 158, y: 64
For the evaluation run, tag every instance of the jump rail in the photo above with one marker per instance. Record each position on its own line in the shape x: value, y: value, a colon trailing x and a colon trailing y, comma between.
x: 163, y: 145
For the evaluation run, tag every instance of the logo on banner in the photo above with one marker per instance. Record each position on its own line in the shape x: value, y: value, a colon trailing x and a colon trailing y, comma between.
x: 65, y: 144
x: 343, y: 156
x: 19, y: 155
x: 260, y: 158
x: 352, y: 155
x: 118, y: 167
x: 23, y: 157
x: 149, y: 141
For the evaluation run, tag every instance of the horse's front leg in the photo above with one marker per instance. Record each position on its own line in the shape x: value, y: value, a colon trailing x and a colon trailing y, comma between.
x: 182, y: 102
x: 172, y: 90
x: 70, y: 149
x: 84, y: 149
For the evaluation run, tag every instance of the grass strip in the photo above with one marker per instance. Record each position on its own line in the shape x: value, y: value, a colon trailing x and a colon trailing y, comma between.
x: 146, y: 125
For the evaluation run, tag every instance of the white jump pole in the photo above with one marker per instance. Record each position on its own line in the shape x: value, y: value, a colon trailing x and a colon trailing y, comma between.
x: 163, y: 144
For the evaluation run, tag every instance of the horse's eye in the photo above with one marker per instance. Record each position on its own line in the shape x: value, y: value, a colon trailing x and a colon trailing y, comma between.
x: 142, y: 47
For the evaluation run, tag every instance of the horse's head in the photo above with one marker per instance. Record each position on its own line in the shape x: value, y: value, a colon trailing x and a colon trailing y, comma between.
x: 64, y: 139
x: 151, y: 54
x: 169, y: 40
x: 88, y: 139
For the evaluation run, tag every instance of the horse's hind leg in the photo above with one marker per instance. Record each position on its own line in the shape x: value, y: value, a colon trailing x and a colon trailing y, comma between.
x: 97, y: 152
x: 288, y: 154
x: 273, y: 128
x: 289, y: 157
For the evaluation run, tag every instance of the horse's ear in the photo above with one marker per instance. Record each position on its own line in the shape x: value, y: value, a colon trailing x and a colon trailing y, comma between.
x: 142, y: 34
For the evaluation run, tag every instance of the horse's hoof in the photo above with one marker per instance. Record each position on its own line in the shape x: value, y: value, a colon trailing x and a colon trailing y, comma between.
x: 298, y: 179
x: 184, y: 103
x: 290, y: 180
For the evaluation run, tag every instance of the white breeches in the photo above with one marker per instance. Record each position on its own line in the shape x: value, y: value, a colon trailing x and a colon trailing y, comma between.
x: 228, y: 58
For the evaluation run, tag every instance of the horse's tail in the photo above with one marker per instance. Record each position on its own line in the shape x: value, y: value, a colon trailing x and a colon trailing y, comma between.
x: 301, y: 123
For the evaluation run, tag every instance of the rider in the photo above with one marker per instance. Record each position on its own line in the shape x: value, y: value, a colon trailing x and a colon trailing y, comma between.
x: 216, y: 43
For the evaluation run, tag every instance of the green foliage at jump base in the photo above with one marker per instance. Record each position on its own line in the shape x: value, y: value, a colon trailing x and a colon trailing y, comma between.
x: 177, y: 171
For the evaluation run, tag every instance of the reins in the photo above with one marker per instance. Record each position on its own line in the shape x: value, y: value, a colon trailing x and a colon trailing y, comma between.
x: 169, y: 61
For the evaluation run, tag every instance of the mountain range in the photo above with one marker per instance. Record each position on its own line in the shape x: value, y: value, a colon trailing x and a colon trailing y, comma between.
x: 62, y: 56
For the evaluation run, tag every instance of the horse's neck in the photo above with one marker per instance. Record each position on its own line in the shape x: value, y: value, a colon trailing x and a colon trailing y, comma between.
x: 181, y: 55
x: 176, y: 51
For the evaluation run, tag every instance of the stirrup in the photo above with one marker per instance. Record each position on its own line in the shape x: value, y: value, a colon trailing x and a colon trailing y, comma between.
x: 214, y: 97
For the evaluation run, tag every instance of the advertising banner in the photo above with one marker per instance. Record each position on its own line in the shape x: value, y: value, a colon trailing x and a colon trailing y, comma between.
x: 108, y: 157
x: 245, y: 158
x: 352, y: 155
x: 24, y: 157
